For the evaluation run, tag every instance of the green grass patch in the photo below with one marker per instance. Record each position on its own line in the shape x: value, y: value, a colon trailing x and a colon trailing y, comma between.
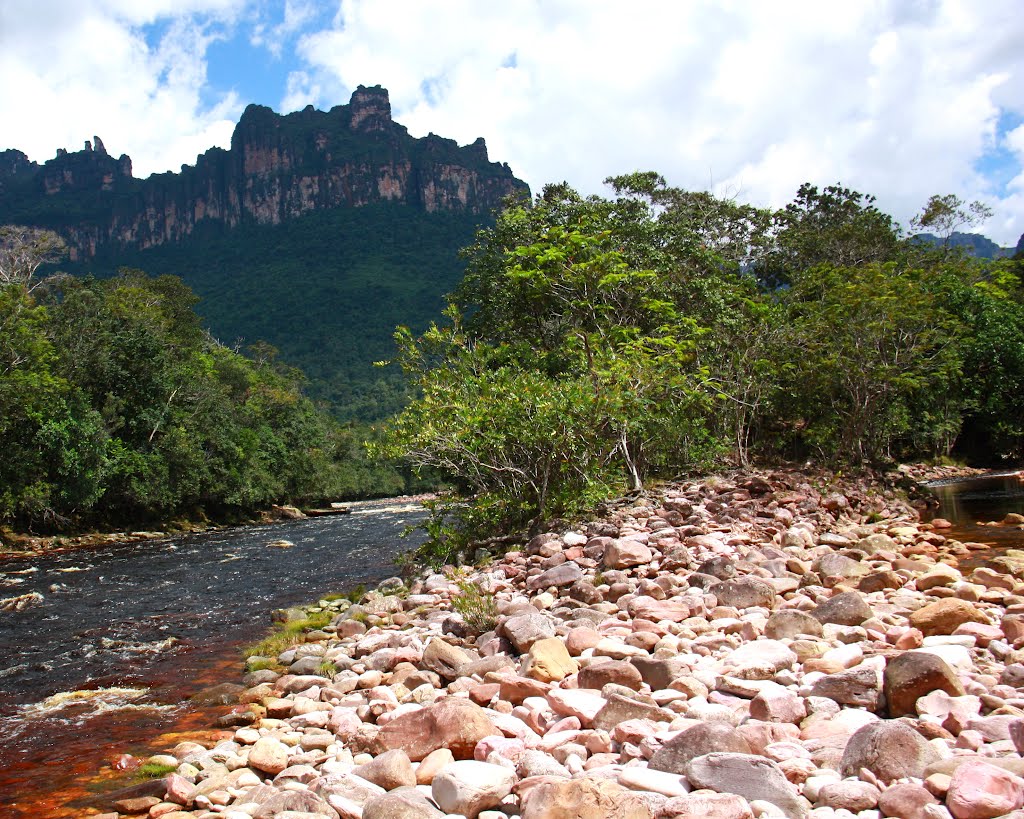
x: 154, y: 770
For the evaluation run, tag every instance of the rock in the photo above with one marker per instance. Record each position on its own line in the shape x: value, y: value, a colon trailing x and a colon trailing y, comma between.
x: 744, y: 592
x: 790, y: 623
x: 624, y: 553
x: 752, y: 777
x: 390, y: 770
x: 468, y: 787
x: 889, y: 749
x: 223, y: 694
x: 659, y: 672
x: 860, y: 686
x: 453, y: 723
x: 759, y: 660
x: 432, y: 764
x: 269, y: 755
x: 548, y: 661
x: 564, y: 575
x: 707, y: 805
x: 912, y: 675
x: 943, y: 616
x: 906, y: 800
x: 524, y: 630
x: 582, y: 703
x: 619, y: 709
x: 848, y: 795
x: 600, y: 674
x: 647, y: 779
x: 698, y: 740
x: 299, y: 802
x: 879, y: 581
x: 401, y: 804
x: 777, y: 704
x: 675, y: 609
x: 444, y: 659
x: 979, y: 790
x: 583, y: 798
x: 844, y: 609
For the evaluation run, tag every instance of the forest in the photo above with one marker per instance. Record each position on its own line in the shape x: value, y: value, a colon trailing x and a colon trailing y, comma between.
x: 594, y: 344
x: 597, y: 344
x: 118, y: 408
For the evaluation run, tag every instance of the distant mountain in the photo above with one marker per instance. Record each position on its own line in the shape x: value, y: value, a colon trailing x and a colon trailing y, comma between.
x: 316, y: 231
x: 975, y: 244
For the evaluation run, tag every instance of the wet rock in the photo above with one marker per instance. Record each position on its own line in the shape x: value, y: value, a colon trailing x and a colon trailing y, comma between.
x: 889, y: 749
x: 912, y: 675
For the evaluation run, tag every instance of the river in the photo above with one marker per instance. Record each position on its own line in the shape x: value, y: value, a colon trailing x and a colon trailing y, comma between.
x: 125, y: 634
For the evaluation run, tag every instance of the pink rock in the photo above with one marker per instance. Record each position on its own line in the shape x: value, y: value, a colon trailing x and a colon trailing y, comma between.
x: 982, y: 791
x: 624, y: 553
x: 777, y: 705
x: 983, y: 633
x: 580, y: 639
x: 581, y: 703
x: 511, y: 749
x: 675, y: 609
x: 707, y: 805
x: 456, y: 724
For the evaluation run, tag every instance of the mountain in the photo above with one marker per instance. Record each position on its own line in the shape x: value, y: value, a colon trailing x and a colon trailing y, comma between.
x: 316, y: 231
x: 974, y: 243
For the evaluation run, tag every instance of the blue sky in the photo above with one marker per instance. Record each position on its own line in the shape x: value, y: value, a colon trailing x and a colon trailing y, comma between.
x: 899, y: 98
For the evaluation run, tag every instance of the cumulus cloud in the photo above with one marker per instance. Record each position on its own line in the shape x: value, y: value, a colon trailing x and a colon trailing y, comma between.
x: 72, y: 70
x: 894, y: 98
x: 899, y: 98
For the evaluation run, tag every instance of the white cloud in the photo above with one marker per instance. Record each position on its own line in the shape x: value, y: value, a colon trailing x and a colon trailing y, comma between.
x: 72, y: 70
x: 899, y: 98
x: 894, y: 98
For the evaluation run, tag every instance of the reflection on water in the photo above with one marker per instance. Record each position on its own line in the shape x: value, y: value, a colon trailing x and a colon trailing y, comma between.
x: 118, y: 636
x: 973, y: 505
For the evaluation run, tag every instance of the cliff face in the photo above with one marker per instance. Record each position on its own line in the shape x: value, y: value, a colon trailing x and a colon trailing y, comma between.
x: 278, y: 168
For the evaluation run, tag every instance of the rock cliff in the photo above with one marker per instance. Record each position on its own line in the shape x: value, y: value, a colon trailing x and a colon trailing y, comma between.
x: 278, y: 168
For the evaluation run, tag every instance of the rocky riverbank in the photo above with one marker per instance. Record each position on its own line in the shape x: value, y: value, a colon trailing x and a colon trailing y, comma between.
x: 736, y: 647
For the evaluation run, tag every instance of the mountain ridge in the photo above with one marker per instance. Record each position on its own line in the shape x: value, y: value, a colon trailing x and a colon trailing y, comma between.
x: 278, y: 167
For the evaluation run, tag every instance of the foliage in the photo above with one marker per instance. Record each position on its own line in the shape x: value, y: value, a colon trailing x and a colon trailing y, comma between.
x: 596, y: 343
x: 477, y: 607
x: 117, y: 406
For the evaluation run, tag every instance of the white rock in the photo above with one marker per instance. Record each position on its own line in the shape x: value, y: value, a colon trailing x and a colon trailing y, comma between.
x: 467, y: 787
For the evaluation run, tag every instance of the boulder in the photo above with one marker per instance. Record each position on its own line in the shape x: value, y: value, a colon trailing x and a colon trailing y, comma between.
x: 979, y: 790
x: 523, y: 630
x: 860, y: 686
x: 906, y: 800
x: 759, y: 660
x: 752, y: 777
x: 790, y: 623
x: 912, y: 675
x: 599, y: 674
x: 389, y: 770
x: 564, y: 575
x: 549, y: 661
x: 453, y: 723
x: 707, y: 805
x: 468, y: 787
x: 698, y: 740
x: 444, y: 659
x: 404, y: 803
x: 843, y: 609
x: 943, y: 616
x: 300, y: 802
x: 624, y: 553
x: 584, y: 798
x: 268, y: 755
x: 889, y: 749
x: 674, y: 609
x: 744, y: 592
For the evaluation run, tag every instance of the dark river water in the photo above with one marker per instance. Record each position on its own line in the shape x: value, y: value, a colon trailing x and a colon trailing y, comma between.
x: 125, y: 634
x: 973, y: 505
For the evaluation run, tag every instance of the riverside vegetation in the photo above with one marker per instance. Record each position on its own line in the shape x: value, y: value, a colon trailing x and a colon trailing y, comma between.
x: 594, y: 345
